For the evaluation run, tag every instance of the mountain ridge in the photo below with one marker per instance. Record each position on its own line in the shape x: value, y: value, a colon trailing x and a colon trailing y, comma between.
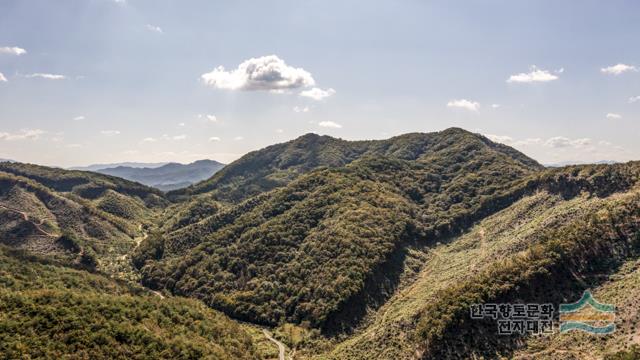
x: 343, y: 249
x: 169, y: 176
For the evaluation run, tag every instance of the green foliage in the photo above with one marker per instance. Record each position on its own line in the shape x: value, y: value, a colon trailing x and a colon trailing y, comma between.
x: 596, y: 243
x: 121, y: 205
x: 279, y: 164
x: 306, y: 251
x: 49, y: 311
x: 86, y: 184
x: 150, y: 249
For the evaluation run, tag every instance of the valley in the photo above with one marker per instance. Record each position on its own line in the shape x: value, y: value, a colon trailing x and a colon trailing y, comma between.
x: 318, y: 248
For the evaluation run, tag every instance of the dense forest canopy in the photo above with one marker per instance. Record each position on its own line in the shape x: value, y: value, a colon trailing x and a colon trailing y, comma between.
x: 318, y: 238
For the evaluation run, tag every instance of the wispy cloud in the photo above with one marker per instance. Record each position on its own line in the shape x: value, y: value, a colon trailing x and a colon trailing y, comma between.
x: 12, y: 50
x: 155, y: 29
x: 24, y: 134
x: 613, y: 116
x: 300, y: 109
x: 618, y: 69
x: 317, y: 93
x: 464, y: 104
x: 561, y: 142
x: 329, y: 124
x: 110, y: 132
x: 47, y: 76
x: 214, y: 138
x: 264, y: 73
x: 238, y: 138
x: 2, y: 78
x: 534, y: 75
x: 634, y: 99
x: 212, y: 118
x: 79, y: 118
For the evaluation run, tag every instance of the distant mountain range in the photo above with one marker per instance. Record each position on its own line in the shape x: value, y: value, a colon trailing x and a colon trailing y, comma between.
x: 567, y: 163
x: 165, y: 176
x: 96, y: 167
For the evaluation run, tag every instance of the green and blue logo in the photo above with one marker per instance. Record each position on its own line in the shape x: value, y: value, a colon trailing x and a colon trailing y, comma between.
x: 588, y: 315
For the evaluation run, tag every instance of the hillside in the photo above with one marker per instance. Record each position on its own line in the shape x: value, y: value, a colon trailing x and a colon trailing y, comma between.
x: 51, y: 311
x: 344, y: 250
x: 313, y: 251
x: 169, y: 176
x: 77, y: 217
x: 488, y: 260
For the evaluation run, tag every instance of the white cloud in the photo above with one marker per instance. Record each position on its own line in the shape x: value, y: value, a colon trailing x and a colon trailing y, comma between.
x: 24, y: 134
x: 2, y: 78
x: 279, y: 131
x: 149, y: 139
x: 317, y: 93
x: 263, y: 73
x: 12, y: 50
x: 634, y: 99
x: 214, y: 138
x: 329, y: 124
x: 464, y: 104
x: 613, y: 116
x: 73, y: 146
x: 495, y: 106
x: 299, y: 109
x: 179, y: 137
x: 534, y: 75
x: 528, y: 141
x: 47, y: 76
x: 618, y: 69
x: 500, y: 138
x: 181, y: 124
x: 79, y: 118
x: 110, y: 132
x: 156, y: 29
x: 238, y: 138
x: 561, y: 142
x: 212, y: 118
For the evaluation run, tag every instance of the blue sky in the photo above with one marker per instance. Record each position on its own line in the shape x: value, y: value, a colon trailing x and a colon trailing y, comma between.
x: 94, y: 81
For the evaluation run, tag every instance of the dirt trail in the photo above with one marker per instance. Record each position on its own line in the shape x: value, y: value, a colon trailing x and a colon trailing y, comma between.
x: 281, y: 348
x: 25, y: 216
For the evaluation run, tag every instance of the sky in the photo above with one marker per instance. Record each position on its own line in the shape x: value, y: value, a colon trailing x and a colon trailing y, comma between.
x: 104, y: 81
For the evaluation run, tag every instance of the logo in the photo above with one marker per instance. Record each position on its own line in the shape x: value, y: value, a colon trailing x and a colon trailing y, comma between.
x: 588, y: 315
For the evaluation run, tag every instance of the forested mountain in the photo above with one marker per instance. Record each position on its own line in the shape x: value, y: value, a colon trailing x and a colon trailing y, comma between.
x: 345, y: 250
x: 279, y: 164
x: 169, y: 176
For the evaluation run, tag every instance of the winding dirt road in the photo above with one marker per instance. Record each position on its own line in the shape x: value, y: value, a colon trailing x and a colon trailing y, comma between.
x: 281, y: 348
x: 25, y: 216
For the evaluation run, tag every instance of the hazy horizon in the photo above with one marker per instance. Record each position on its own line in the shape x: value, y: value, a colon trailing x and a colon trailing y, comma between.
x: 109, y: 81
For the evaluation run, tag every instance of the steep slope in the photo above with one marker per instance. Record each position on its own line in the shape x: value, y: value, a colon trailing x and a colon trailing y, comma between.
x: 51, y: 311
x: 76, y: 217
x: 322, y: 248
x: 567, y: 258
x: 279, y: 164
x: 169, y: 176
